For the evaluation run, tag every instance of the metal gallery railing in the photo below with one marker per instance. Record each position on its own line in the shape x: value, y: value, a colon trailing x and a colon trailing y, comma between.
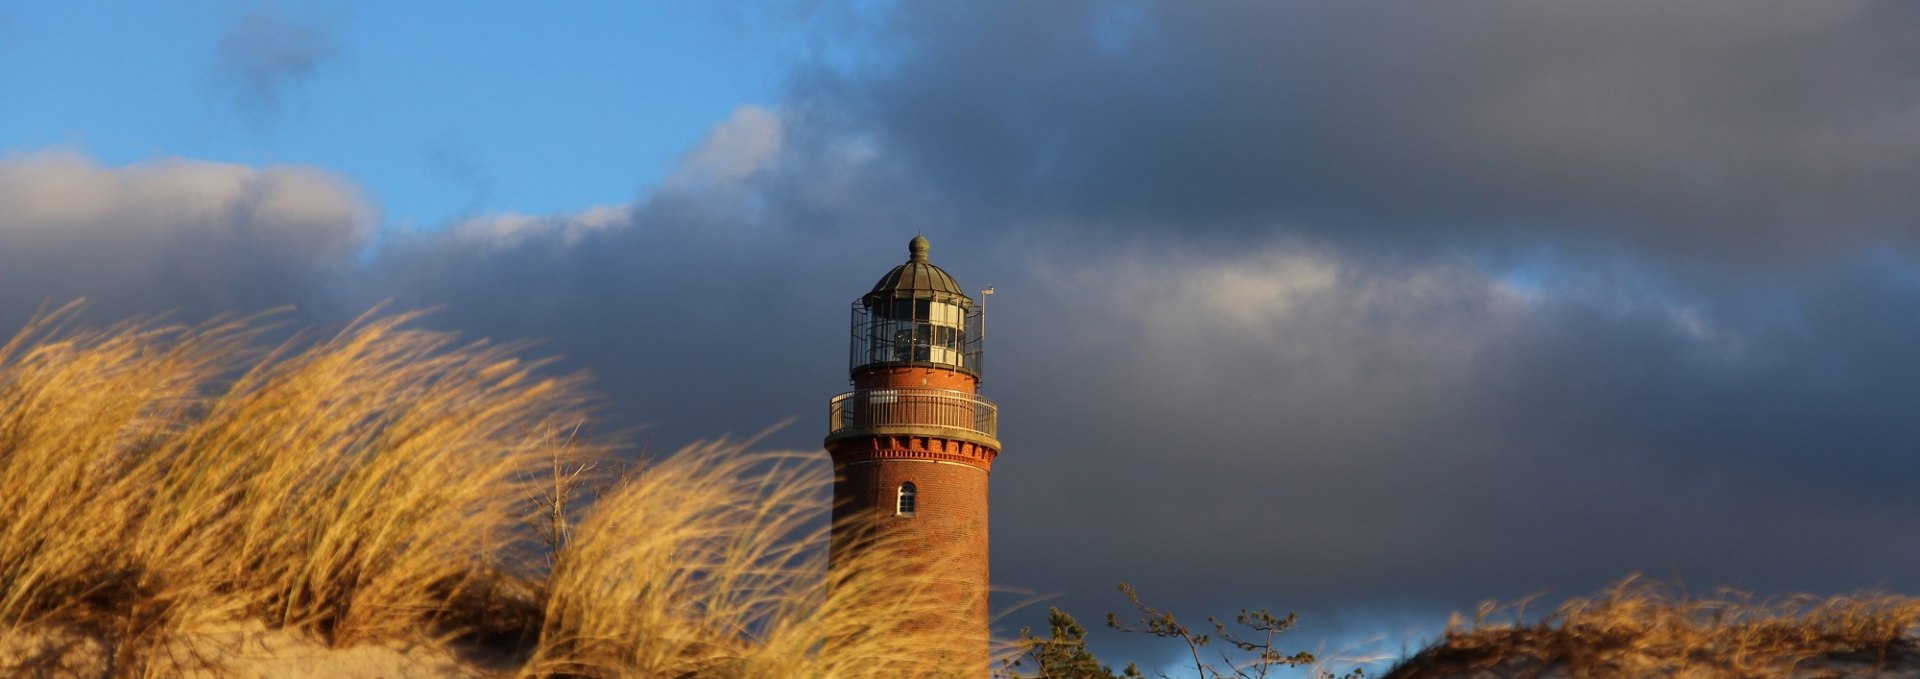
x: 913, y: 407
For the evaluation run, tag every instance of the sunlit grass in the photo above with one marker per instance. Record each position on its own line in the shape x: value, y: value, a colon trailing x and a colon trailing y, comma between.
x: 1643, y: 629
x: 711, y: 563
x: 168, y: 475
x: 390, y: 483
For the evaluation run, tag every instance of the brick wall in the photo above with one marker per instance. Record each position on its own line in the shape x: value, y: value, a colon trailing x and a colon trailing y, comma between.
x: 949, y: 526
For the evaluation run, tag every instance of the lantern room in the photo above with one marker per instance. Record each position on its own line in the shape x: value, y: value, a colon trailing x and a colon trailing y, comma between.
x: 916, y: 316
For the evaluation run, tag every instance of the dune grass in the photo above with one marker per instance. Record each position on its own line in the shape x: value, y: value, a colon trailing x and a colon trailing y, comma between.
x: 1644, y: 629
x: 389, y: 483
x: 712, y: 564
x: 160, y: 476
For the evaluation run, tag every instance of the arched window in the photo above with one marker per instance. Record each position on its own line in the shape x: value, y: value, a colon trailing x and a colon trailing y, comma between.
x: 905, y: 504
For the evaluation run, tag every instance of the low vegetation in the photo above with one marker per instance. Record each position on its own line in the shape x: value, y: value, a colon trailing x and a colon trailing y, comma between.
x: 1247, y: 649
x: 159, y: 482
x: 1643, y: 629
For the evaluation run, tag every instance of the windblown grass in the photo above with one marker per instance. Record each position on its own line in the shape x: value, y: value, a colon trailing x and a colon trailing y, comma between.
x: 158, y: 480
x: 712, y: 564
x: 168, y: 475
x: 1643, y: 629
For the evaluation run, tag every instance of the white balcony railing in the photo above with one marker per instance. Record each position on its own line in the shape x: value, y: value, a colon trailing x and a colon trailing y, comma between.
x: 913, y: 407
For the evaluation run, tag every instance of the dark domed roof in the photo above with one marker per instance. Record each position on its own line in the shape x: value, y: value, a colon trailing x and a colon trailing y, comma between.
x: 918, y: 278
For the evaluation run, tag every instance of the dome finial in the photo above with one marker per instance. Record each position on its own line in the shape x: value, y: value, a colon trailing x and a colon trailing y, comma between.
x: 917, y: 249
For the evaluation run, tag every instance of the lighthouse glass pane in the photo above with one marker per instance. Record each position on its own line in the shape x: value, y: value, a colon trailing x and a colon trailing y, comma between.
x: 904, y: 309
x: 879, y: 332
x: 913, y: 331
x: 945, y: 314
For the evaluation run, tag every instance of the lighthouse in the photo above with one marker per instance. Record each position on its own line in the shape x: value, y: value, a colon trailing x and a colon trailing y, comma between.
x: 913, y: 445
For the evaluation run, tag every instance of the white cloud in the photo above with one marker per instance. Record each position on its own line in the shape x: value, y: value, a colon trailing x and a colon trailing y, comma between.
x: 512, y: 229
x: 735, y: 149
x: 171, y: 234
x: 66, y: 195
x: 1328, y: 319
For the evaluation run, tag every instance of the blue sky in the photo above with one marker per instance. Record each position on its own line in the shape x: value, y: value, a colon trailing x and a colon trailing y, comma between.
x: 1369, y: 311
x: 438, y: 113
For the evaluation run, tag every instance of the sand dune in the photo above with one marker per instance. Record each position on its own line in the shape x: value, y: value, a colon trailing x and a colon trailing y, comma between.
x: 233, y: 651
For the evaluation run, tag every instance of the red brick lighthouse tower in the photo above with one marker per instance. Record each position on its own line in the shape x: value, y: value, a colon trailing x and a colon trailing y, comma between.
x: 913, y: 444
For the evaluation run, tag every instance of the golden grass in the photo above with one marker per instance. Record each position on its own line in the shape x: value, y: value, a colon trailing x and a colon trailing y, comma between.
x: 173, y: 475
x: 712, y: 564
x: 1643, y: 629
x: 376, y: 485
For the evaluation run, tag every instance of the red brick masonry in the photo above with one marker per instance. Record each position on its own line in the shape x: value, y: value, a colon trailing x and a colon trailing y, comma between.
x: 949, y: 526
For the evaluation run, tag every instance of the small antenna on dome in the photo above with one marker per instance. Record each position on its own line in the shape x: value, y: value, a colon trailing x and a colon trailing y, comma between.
x: 984, y: 294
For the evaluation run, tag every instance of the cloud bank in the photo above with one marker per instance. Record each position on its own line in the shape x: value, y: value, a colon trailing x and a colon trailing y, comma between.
x: 1711, y: 130
x: 172, y: 235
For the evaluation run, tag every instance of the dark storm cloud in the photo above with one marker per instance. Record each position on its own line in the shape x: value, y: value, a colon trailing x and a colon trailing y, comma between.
x: 1726, y: 130
x: 1609, y: 287
x: 1312, y: 428
x: 270, y: 48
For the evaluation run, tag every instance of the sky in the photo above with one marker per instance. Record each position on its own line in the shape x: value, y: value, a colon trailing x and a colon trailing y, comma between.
x: 1366, y: 310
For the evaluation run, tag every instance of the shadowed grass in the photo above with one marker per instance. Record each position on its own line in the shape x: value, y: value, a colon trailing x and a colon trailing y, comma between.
x: 1642, y: 629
